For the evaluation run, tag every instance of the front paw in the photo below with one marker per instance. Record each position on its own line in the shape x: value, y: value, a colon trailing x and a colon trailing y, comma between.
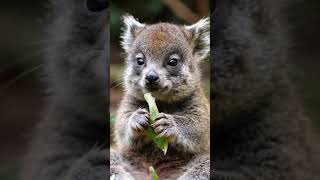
x: 165, y: 126
x: 138, y: 121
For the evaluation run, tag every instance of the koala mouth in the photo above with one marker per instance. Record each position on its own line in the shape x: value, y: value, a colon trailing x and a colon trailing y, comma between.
x: 152, y: 87
x: 157, y: 88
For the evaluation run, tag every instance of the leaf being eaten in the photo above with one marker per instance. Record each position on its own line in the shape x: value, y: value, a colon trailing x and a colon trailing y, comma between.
x: 161, y: 142
x: 153, y: 173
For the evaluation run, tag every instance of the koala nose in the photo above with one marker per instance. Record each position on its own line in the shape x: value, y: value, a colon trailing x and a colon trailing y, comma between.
x: 152, y: 78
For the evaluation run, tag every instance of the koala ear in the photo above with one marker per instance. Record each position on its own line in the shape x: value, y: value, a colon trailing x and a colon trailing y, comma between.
x: 199, y: 35
x: 129, y: 31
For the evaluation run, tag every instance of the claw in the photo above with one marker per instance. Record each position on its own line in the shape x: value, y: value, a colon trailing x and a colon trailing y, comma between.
x: 160, y: 116
x: 159, y: 129
x: 139, y: 120
x: 161, y: 134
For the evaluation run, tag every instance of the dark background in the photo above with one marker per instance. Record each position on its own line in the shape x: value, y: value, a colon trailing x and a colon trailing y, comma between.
x: 22, y: 43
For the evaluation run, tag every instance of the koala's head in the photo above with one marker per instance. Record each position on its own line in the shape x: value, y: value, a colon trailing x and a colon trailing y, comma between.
x: 164, y: 58
x: 250, y: 49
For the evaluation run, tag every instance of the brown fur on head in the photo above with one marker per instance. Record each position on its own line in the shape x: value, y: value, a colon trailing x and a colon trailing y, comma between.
x: 170, y: 51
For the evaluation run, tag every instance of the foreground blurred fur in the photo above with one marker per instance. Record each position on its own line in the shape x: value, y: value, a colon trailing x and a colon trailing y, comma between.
x: 70, y: 143
x: 259, y: 129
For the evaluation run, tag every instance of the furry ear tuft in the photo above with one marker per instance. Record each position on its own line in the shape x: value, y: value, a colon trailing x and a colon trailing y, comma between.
x: 129, y: 32
x: 200, y: 38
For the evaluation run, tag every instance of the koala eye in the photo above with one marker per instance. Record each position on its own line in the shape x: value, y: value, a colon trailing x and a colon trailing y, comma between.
x: 140, y: 59
x: 173, y: 60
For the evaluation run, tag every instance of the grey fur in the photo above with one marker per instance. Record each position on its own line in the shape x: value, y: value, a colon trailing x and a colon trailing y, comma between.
x: 259, y: 128
x: 184, y: 110
x: 70, y: 143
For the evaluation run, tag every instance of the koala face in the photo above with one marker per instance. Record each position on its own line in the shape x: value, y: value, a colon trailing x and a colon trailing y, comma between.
x: 161, y: 59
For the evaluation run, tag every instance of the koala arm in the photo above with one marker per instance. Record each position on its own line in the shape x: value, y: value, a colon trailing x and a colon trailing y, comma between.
x: 192, y: 134
x: 188, y: 128
x: 130, y: 125
x: 198, y: 168
x: 122, y: 127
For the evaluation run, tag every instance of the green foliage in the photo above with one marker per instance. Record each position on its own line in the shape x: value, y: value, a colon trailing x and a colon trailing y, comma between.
x: 112, y: 119
x: 153, y: 173
x: 161, y: 142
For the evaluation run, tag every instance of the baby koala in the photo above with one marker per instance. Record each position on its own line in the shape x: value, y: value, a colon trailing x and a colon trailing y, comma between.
x: 163, y: 59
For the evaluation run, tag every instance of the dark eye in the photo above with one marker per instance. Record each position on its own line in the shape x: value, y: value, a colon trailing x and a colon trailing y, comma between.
x: 173, y: 60
x: 140, y: 59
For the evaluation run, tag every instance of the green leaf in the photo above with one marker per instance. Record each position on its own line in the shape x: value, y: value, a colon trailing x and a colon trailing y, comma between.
x: 112, y: 119
x: 153, y: 173
x: 153, y: 109
x: 161, y: 142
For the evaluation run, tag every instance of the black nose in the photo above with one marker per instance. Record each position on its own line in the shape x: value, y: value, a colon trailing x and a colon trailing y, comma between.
x: 152, y: 78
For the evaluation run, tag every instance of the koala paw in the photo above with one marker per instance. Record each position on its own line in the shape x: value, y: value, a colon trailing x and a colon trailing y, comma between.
x: 139, y: 120
x: 165, y: 126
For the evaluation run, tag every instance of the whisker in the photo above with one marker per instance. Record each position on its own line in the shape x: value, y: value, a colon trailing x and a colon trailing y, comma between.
x: 19, y: 76
x: 117, y: 80
x: 117, y: 85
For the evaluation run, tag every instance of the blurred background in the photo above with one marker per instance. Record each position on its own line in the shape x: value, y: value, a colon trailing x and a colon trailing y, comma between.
x: 22, y: 97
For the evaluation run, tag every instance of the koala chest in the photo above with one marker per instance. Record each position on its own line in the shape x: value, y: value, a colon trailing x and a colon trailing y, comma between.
x: 166, y: 169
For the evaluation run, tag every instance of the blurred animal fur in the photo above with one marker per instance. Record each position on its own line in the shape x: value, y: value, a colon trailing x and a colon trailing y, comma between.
x: 259, y: 130
x: 70, y: 143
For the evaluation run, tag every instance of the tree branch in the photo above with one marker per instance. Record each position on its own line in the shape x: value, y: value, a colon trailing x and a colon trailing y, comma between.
x: 181, y: 10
